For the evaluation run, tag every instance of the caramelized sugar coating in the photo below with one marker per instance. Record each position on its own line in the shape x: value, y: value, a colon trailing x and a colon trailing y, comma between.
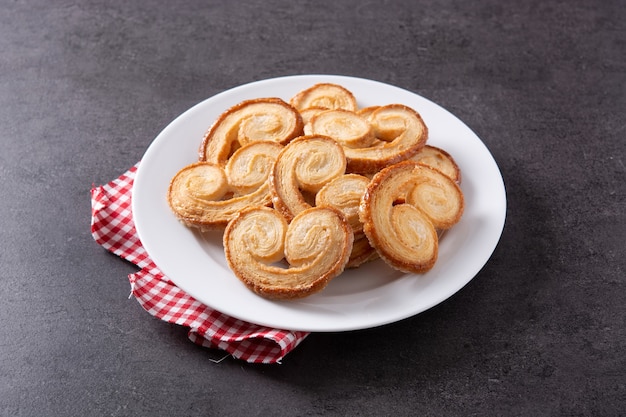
x: 344, y: 193
x: 402, y: 209
x: 316, y: 246
x: 346, y: 127
x: 265, y: 119
x: 325, y: 95
x: 401, y: 133
x: 302, y: 168
x: 206, y: 195
x: 438, y: 158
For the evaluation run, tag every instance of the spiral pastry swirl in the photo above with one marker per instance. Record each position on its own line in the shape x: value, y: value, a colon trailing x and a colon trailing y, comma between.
x: 439, y: 159
x: 310, y: 112
x: 325, y: 95
x: 265, y: 119
x: 316, y: 246
x: 302, y: 168
x: 206, y: 195
x: 402, y: 209
x: 400, y: 133
x: 344, y: 193
x: 362, y: 252
x: 346, y: 127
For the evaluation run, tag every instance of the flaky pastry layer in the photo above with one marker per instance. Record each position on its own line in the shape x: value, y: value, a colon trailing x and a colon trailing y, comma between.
x: 206, y: 195
x: 302, y: 168
x: 316, y: 246
x: 438, y: 158
x: 401, y: 133
x: 325, y: 95
x: 402, y: 209
x: 344, y: 193
x: 265, y: 119
x: 346, y: 127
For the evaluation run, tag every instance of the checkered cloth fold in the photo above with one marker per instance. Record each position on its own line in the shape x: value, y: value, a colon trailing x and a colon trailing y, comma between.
x: 112, y: 227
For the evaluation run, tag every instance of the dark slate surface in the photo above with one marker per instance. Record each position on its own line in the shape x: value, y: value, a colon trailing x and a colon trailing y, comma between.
x: 85, y: 87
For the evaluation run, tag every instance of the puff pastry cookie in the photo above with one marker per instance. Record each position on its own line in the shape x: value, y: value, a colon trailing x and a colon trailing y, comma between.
x: 401, y: 133
x: 206, y: 195
x: 302, y: 168
x: 344, y: 193
x: 346, y: 127
x: 316, y: 246
x: 266, y: 119
x: 402, y: 209
x: 438, y: 158
x: 325, y: 95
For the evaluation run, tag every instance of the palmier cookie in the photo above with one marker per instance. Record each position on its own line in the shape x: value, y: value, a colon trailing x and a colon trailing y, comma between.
x: 400, y: 133
x: 265, y: 119
x: 325, y: 95
x: 316, y: 246
x: 302, y: 168
x: 344, y: 193
x: 440, y: 159
x: 402, y: 209
x: 346, y: 127
x: 206, y: 195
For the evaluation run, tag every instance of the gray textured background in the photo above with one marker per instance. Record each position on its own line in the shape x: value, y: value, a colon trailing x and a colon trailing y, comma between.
x: 85, y: 87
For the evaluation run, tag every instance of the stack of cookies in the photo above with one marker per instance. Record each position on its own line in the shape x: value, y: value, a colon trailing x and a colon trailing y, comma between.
x: 306, y: 188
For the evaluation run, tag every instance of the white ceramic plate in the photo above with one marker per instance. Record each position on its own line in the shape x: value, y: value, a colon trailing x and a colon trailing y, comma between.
x: 369, y: 296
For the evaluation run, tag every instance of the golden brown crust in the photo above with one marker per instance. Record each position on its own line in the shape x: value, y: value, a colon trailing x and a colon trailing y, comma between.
x: 401, y: 212
x: 346, y: 127
x: 316, y: 245
x: 439, y: 159
x: 362, y: 252
x: 206, y: 196
x: 303, y: 167
x: 264, y: 119
x: 401, y: 133
x: 308, y: 113
x: 437, y: 196
x: 344, y: 193
x: 249, y: 167
x: 366, y: 112
x: 326, y: 95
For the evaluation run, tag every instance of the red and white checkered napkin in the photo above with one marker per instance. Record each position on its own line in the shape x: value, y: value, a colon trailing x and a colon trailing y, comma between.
x: 112, y: 227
